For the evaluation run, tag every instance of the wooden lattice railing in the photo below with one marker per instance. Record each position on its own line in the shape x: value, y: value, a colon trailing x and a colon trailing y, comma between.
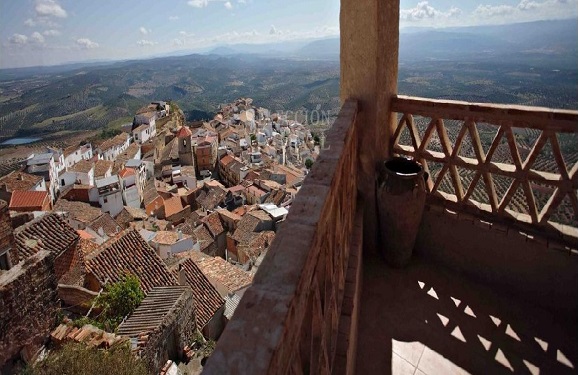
x: 514, y: 162
x: 288, y: 321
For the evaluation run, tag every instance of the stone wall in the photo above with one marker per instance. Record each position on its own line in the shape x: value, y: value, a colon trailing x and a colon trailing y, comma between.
x: 169, y: 339
x: 288, y: 320
x: 538, y: 270
x: 28, y: 305
x: 6, y: 234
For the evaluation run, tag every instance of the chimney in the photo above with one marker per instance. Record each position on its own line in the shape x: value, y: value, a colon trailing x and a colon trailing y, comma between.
x: 180, y: 234
x: 182, y: 275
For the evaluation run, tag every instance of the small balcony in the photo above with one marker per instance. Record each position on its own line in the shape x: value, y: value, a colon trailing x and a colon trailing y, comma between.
x: 491, y: 287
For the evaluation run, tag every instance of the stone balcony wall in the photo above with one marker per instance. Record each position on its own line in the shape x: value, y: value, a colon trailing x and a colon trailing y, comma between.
x: 28, y: 306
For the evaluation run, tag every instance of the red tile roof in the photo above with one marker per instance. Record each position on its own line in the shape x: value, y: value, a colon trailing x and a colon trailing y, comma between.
x: 173, y: 205
x: 28, y: 199
x: 125, y: 172
x: 50, y: 232
x: 214, y: 224
x: 230, y: 276
x: 226, y: 160
x: 207, y: 300
x: 183, y: 132
x: 129, y: 253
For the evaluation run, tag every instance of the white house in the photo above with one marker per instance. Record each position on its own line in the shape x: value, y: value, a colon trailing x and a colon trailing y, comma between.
x: 110, y: 195
x: 168, y: 243
x: 144, y: 132
x: 80, y: 173
x: 73, y: 155
x: 113, y: 147
x: 148, y: 118
x: 44, y: 165
x: 133, y: 180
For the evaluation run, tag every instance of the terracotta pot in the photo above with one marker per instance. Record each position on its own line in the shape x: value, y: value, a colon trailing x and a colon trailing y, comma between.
x: 401, y: 194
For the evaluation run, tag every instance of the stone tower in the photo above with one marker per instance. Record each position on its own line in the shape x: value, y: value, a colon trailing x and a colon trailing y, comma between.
x: 184, y: 136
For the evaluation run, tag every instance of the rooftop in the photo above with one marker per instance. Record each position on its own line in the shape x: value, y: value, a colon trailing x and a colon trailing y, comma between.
x: 101, y: 167
x: 207, y: 299
x: 232, y: 277
x: 129, y: 252
x: 80, y: 211
x: 28, y: 199
x: 157, y: 306
x: 49, y: 232
x: 83, y: 166
x: 19, y: 181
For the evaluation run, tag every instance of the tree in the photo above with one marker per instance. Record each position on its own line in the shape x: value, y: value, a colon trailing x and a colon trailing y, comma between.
x: 308, y: 163
x: 119, y: 300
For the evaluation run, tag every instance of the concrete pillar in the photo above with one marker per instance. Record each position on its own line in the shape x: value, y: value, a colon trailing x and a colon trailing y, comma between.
x: 369, y: 65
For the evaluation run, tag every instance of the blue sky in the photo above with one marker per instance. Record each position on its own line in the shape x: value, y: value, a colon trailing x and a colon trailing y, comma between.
x: 48, y: 32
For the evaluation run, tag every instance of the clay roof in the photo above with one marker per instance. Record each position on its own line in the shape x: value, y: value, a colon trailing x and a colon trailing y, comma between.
x: 226, y: 160
x: 261, y: 215
x: 130, y: 253
x: 232, y: 277
x: 19, y: 181
x: 80, y: 211
x: 128, y: 215
x: 211, y: 198
x: 50, y: 232
x: 125, y: 172
x: 183, y: 132
x: 203, y: 235
x: 101, y: 167
x: 107, y: 223
x: 230, y: 215
x: 28, y: 199
x: 156, y: 311
x: 214, y: 224
x: 171, y: 150
x: 173, y: 205
x: 168, y: 238
x: 115, y: 141
x: 83, y: 166
x: 150, y: 192
x: 208, y: 300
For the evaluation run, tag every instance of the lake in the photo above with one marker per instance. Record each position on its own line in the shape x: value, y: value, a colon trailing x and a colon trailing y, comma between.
x: 19, y: 141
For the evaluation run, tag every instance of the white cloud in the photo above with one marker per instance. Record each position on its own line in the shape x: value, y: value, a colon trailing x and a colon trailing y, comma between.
x: 36, y: 37
x: 423, y: 11
x: 51, y: 32
x: 86, y: 43
x: 228, y: 5
x: 144, y: 42
x: 488, y: 11
x: 50, y: 8
x: 18, y: 39
x: 178, y: 42
x: 173, y: 18
x: 198, y: 3
x: 144, y: 31
x: 242, y: 1
x: 186, y: 34
x: 274, y: 31
x: 528, y: 10
x: 30, y: 22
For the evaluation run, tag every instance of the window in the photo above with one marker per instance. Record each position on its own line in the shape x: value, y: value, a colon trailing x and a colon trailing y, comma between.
x: 4, y: 260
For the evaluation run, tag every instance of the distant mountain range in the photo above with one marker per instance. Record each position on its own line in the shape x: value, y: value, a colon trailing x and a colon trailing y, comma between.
x: 540, y: 38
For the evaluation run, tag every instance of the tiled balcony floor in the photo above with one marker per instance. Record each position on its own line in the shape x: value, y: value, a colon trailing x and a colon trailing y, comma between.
x: 427, y: 320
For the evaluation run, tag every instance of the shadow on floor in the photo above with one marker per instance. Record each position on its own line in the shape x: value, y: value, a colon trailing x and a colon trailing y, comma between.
x: 427, y: 320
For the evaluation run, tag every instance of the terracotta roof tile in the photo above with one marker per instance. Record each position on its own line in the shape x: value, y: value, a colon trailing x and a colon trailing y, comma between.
x: 28, y: 199
x: 101, y: 167
x: 19, y: 181
x: 83, y: 166
x: 115, y: 141
x: 208, y: 300
x: 203, y: 235
x: 173, y: 205
x: 125, y: 172
x: 183, y: 132
x: 107, y: 223
x: 130, y: 253
x: 50, y: 232
x: 157, y: 311
x: 232, y: 277
x: 80, y: 211
x: 214, y: 224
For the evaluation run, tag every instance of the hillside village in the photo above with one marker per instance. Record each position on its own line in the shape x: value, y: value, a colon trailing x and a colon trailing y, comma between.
x: 189, y: 209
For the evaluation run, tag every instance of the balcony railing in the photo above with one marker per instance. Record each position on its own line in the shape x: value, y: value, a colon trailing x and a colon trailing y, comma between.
x: 293, y: 316
x: 501, y: 162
